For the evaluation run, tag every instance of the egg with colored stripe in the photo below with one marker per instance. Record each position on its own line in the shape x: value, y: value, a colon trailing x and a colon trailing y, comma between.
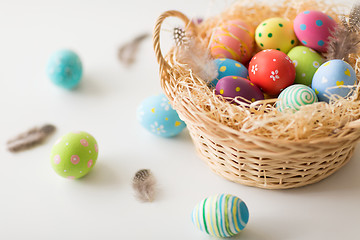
x: 313, y: 29
x: 306, y: 62
x: 157, y: 116
x: 232, y: 87
x: 334, y: 77
x: 295, y: 96
x: 276, y: 33
x: 229, y: 67
x: 233, y: 39
x: 74, y: 155
x: 222, y: 215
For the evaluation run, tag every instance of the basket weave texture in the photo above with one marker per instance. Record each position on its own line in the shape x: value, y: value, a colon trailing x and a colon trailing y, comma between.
x: 259, y: 146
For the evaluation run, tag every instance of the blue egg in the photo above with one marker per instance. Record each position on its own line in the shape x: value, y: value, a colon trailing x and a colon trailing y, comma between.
x: 157, y: 116
x: 229, y: 67
x: 333, y: 77
x: 64, y: 68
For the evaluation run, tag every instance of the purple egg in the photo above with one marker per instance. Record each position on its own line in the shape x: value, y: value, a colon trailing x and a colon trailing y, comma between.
x: 232, y: 86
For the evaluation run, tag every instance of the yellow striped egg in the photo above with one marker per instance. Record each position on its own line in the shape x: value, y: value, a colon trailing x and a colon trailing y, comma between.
x: 233, y: 39
x: 222, y: 215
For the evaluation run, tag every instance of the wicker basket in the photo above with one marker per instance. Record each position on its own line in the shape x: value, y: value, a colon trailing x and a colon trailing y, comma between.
x: 250, y: 159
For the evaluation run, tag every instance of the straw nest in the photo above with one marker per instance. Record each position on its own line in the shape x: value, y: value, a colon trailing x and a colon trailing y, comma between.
x: 255, y: 144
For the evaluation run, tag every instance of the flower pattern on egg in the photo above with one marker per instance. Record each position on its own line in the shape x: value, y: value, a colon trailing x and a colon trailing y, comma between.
x: 165, y: 104
x: 274, y: 75
x: 254, y: 69
x: 156, y: 128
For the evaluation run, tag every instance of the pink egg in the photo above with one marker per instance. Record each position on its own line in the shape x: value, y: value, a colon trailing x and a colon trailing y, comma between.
x: 313, y: 28
x: 233, y: 39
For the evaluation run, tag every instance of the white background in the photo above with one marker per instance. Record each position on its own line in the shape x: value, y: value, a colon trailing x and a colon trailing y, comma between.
x: 35, y: 203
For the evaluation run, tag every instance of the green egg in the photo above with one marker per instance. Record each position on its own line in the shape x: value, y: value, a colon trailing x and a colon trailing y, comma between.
x: 74, y: 155
x: 306, y: 62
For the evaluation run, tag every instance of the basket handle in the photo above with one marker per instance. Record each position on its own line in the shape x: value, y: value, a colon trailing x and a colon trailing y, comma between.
x: 164, y: 65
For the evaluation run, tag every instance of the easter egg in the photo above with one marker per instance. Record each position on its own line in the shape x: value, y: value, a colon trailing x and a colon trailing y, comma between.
x: 157, y: 116
x: 295, y: 96
x: 229, y: 67
x: 233, y: 39
x: 276, y: 33
x: 272, y: 71
x: 313, y: 28
x: 222, y: 215
x: 332, y: 77
x: 233, y: 86
x: 64, y: 69
x: 306, y: 62
x: 74, y: 154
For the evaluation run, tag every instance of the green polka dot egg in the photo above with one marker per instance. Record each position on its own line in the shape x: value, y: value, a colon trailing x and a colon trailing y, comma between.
x: 276, y: 33
x: 295, y: 96
x: 306, y: 62
x: 74, y: 155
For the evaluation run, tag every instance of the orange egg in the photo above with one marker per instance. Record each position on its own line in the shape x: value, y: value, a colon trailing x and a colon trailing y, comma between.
x: 233, y: 39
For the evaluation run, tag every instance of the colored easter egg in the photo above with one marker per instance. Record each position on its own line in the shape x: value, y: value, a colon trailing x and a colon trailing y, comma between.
x: 306, y: 62
x: 313, y: 28
x: 229, y: 67
x: 157, y: 116
x: 276, y: 33
x: 272, y: 71
x: 74, y: 154
x: 232, y: 86
x: 64, y: 69
x: 222, y: 215
x: 332, y: 77
x: 233, y: 39
x: 295, y: 96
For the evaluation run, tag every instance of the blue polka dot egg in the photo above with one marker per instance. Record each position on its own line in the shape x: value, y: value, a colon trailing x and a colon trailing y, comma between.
x: 222, y: 215
x: 334, y: 77
x: 229, y: 67
x: 157, y: 116
x: 64, y: 69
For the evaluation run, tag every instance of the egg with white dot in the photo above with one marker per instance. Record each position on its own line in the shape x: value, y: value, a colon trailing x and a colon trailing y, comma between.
x: 71, y: 157
x: 229, y: 67
x: 313, y: 29
x: 306, y: 62
x: 334, y: 77
x: 157, y: 116
x: 295, y: 96
x: 64, y: 69
x: 222, y: 215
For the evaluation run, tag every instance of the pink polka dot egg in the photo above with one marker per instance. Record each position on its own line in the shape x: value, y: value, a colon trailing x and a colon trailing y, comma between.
x: 74, y: 154
x: 313, y: 29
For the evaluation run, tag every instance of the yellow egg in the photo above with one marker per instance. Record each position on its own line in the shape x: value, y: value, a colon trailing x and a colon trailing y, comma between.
x: 276, y: 33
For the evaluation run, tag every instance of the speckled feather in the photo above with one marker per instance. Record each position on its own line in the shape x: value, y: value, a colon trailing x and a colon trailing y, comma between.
x: 345, y: 38
x: 196, y: 57
x: 144, y: 185
x: 30, y: 138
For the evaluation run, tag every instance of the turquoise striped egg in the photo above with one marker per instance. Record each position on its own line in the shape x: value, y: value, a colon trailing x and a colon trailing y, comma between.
x: 295, y: 96
x: 222, y: 215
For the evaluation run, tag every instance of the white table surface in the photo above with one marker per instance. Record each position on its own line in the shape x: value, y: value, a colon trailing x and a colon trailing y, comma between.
x: 35, y: 203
